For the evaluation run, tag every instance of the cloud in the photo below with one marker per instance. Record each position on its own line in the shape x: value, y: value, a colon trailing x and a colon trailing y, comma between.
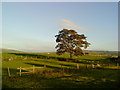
x: 65, y: 23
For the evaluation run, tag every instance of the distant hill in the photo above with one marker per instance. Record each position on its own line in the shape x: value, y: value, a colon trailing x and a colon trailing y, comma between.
x: 94, y: 52
x: 10, y: 51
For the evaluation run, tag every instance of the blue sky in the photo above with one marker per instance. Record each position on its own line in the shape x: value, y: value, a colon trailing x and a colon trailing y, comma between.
x: 32, y: 26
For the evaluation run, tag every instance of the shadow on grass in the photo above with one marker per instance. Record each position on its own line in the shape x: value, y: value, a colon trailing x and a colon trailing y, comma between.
x: 85, y: 61
x: 51, y: 57
x: 74, y: 81
x: 41, y: 56
x: 12, y: 71
x: 96, y: 73
x: 41, y: 65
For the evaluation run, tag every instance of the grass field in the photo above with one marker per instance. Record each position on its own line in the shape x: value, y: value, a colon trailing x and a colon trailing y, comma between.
x: 60, y: 72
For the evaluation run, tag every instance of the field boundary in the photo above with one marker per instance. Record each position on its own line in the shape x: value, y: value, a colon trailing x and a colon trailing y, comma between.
x: 27, y: 68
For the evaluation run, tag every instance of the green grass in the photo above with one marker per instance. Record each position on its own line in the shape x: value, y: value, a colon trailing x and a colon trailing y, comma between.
x: 85, y: 79
x: 53, y: 76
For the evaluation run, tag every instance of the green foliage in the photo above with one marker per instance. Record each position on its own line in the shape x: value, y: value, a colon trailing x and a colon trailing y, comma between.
x: 71, y: 42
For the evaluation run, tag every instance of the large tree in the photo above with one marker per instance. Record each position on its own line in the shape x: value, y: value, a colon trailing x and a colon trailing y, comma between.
x: 71, y: 42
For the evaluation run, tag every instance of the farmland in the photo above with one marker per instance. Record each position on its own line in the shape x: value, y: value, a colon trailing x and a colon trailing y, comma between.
x: 59, y: 71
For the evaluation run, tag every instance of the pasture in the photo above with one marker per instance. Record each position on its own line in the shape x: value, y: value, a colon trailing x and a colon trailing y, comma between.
x: 59, y: 71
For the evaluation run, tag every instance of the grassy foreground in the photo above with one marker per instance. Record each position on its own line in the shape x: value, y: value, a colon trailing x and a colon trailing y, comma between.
x: 59, y: 72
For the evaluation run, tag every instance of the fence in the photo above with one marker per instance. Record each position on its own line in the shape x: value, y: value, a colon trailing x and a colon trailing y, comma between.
x: 63, y: 67
x: 27, y: 68
x: 33, y: 69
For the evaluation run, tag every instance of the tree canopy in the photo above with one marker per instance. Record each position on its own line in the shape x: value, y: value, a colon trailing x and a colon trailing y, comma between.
x: 71, y: 42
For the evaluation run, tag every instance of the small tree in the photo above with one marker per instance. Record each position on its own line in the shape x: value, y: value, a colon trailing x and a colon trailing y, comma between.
x: 71, y: 42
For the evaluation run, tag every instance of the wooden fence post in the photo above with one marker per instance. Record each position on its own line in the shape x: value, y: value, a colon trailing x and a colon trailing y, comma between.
x: 20, y: 71
x: 108, y: 65
x: 86, y: 66
x: 61, y: 66
x: 77, y: 66
x: 8, y: 72
x: 63, y: 69
x: 118, y: 65
x: 33, y: 68
x: 93, y: 66
x: 44, y: 65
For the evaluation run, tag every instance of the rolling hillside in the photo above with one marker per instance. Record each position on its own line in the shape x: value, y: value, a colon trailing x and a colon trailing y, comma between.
x: 93, y: 52
x: 114, y: 53
x: 10, y: 51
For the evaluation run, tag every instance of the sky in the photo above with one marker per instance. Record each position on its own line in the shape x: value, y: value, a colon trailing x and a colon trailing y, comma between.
x: 32, y: 26
x: 60, y: 0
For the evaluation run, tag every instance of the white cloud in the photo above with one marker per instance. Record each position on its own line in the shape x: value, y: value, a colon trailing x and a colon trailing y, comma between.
x: 65, y: 23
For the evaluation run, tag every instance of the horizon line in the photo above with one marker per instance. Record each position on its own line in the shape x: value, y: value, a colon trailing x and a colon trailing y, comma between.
x: 54, y: 51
